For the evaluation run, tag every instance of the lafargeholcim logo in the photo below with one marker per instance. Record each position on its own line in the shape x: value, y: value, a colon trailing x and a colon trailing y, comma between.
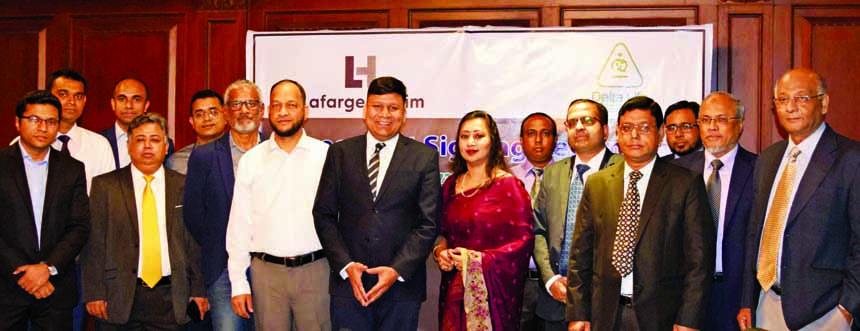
x: 620, y: 70
x: 368, y: 71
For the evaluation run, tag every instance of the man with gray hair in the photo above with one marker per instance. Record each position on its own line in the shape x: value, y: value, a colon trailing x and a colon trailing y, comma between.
x: 209, y: 195
x: 727, y: 170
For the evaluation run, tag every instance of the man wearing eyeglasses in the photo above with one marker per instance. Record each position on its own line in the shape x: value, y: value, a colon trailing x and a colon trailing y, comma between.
x: 557, y: 201
x: 46, y: 221
x: 208, y: 122
x: 130, y: 98
x: 643, y: 250
x: 209, y: 195
x: 803, y: 250
x: 682, y: 131
x: 727, y: 170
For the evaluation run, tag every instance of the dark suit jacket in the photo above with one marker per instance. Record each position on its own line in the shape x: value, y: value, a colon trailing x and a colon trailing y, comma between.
x: 396, y: 230
x: 673, y: 262
x: 110, y: 135
x: 110, y: 259
x: 550, y: 218
x: 65, y: 226
x: 821, y: 246
x: 737, y: 211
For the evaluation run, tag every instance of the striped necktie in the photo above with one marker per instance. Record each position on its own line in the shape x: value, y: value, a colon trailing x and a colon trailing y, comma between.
x: 373, y: 169
x: 574, y: 195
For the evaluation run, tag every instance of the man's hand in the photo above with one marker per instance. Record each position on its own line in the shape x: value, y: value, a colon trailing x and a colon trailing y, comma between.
x: 98, y: 309
x: 445, y: 260
x: 35, y: 275
x: 202, y: 304
x: 354, y: 272
x: 558, y: 289
x: 387, y: 277
x: 579, y: 326
x: 845, y: 313
x: 682, y: 328
x: 242, y: 305
x: 44, y: 291
x: 745, y: 318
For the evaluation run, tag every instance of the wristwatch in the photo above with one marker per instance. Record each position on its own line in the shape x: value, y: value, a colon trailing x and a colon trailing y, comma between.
x: 52, y: 269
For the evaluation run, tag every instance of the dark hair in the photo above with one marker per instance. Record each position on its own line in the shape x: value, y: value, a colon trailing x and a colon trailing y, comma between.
x: 147, y: 118
x: 536, y: 114
x: 683, y: 104
x: 301, y: 89
x: 67, y: 73
x: 203, y: 94
x: 497, y: 154
x: 643, y: 103
x: 385, y: 85
x: 145, y: 88
x: 602, y: 113
x: 38, y: 97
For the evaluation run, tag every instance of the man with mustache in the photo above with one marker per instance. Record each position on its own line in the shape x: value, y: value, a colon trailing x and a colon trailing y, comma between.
x: 682, y: 131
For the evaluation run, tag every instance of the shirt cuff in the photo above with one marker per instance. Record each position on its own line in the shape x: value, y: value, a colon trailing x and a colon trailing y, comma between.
x: 549, y: 283
x: 239, y: 286
x: 343, y: 273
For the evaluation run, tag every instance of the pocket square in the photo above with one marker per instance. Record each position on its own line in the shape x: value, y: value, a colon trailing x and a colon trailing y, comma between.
x: 178, y: 206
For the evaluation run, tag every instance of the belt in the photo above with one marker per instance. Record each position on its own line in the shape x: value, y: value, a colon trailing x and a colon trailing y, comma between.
x: 776, y: 290
x: 625, y: 300
x: 291, y: 261
x: 533, y: 274
x: 719, y: 277
x: 163, y: 281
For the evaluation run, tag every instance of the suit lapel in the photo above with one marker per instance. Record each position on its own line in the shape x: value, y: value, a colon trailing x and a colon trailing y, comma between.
x: 397, y: 161
x: 224, y: 158
x: 741, y: 177
x: 20, y: 178
x: 564, y: 186
x: 819, y: 164
x: 52, y: 188
x: 652, y: 196
x: 616, y: 194
x: 127, y: 188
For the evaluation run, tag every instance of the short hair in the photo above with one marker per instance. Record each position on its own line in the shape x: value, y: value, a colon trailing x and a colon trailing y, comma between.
x: 739, y: 107
x: 38, y: 97
x: 683, y: 104
x: 147, y: 118
x: 602, y: 113
x: 242, y: 83
x: 538, y: 114
x: 145, y: 88
x: 299, y: 86
x: 644, y: 103
x: 386, y: 85
x: 67, y: 73
x: 203, y: 94
x: 497, y: 153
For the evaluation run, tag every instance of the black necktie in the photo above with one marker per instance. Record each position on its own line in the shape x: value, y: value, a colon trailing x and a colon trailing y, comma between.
x: 65, y: 140
x: 373, y: 168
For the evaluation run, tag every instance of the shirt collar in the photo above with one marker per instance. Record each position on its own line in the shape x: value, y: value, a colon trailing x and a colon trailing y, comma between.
x: 807, y: 146
x: 371, y: 140
x: 74, y: 133
x: 273, y: 145
x: 728, y: 159
x: 646, y: 170
x: 119, y: 131
x: 137, y: 174
x: 595, y: 161
x: 234, y: 145
x: 29, y: 158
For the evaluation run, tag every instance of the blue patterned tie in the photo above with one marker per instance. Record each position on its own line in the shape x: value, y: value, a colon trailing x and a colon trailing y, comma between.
x: 573, y: 197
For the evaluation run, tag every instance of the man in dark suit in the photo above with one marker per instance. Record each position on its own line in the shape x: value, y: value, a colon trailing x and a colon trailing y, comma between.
x: 727, y: 169
x: 43, y: 200
x: 376, y: 214
x: 130, y: 99
x: 643, y: 249
x: 141, y: 267
x: 209, y: 195
x: 587, y: 130
x: 803, y: 248
x: 682, y: 131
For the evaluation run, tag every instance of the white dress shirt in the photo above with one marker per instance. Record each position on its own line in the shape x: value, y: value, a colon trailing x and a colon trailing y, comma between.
x: 642, y: 186
x: 272, y: 205
x: 728, y: 161
x: 122, y: 145
x: 807, y: 147
x: 90, y: 148
x: 158, y: 190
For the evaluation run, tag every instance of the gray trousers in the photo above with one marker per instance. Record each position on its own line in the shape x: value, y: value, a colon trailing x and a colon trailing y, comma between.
x: 769, y: 316
x: 287, y: 299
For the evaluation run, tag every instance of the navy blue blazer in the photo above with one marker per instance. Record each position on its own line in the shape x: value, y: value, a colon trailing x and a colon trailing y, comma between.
x: 724, y: 306
x: 821, y: 245
x: 110, y: 135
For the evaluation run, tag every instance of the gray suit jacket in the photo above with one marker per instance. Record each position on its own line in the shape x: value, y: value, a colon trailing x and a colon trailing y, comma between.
x: 550, y: 215
x: 110, y: 259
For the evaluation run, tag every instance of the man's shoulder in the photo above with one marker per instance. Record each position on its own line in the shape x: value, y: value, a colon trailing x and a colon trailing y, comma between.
x: 694, y: 161
x: 107, y: 132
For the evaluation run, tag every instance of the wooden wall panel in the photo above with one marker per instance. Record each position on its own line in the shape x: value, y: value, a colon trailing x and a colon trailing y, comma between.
x: 629, y: 16
x: 22, y: 67
x: 333, y: 20
x: 827, y: 39
x: 518, y: 17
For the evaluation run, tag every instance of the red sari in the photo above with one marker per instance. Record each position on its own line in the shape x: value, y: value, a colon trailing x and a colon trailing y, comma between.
x: 496, y: 223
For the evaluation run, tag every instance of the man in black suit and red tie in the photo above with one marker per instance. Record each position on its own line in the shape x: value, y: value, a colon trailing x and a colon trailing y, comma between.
x: 376, y: 214
x: 46, y: 215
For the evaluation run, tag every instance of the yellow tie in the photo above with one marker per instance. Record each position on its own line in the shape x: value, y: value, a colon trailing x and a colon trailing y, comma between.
x: 151, y: 254
x: 774, y: 223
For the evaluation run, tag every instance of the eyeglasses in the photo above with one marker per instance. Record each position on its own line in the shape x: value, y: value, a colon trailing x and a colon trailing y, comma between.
x: 801, y: 100
x: 686, y: 126
x: 585, y: 120
x: 721, y: 120
x: 213, y: 113
x: 642, y: 128
x: 37, y: 121
x: 236, y: 105
x: 66, y: 95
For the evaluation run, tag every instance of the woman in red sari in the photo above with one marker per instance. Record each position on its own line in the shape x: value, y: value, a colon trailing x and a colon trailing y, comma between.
x: 487, y: 234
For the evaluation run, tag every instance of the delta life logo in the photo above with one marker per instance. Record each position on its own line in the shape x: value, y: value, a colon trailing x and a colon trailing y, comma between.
x: 352, y: 80
x: 619, y: 78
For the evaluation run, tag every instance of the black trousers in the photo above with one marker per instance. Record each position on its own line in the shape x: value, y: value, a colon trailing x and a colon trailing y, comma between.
x: 152, y: 310
x: 40, y: 315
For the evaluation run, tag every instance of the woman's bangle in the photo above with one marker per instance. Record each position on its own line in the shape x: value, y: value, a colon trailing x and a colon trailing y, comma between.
x: 435, y: 249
